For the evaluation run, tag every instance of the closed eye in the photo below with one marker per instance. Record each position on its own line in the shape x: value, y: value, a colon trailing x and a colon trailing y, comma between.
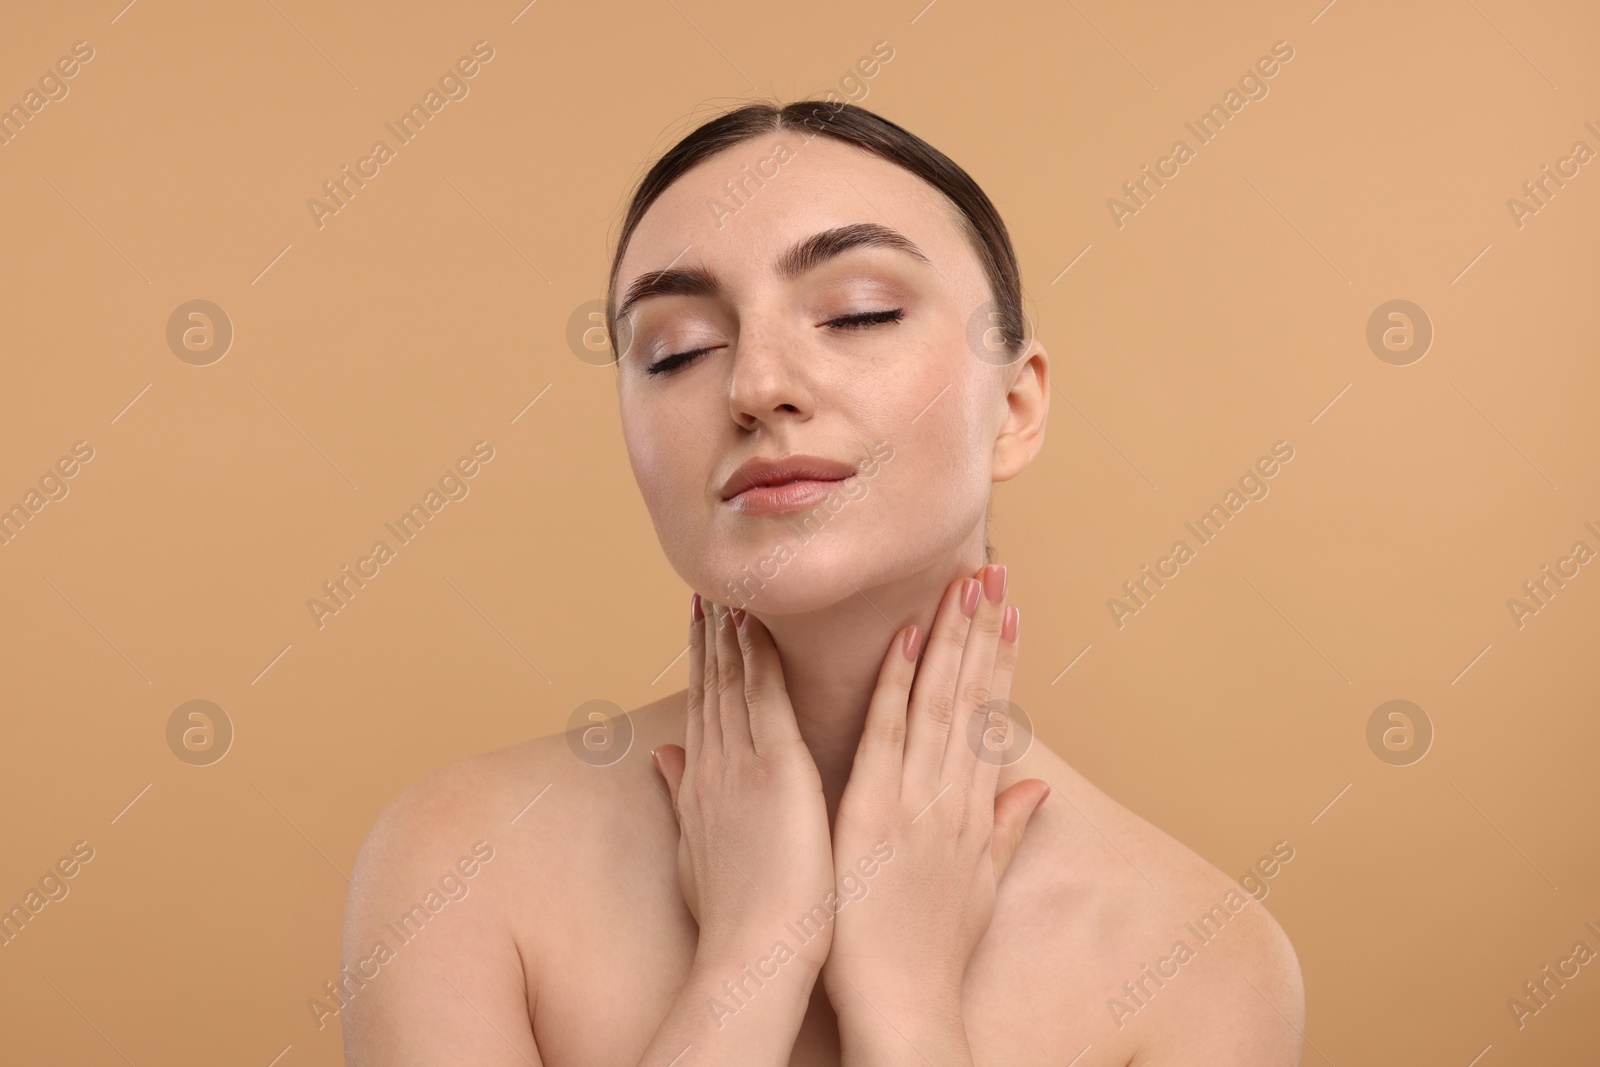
x: 858, y: 321
x: 867, y: 318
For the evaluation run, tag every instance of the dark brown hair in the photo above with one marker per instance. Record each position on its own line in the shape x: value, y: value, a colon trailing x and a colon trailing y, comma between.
x: 867, y: 130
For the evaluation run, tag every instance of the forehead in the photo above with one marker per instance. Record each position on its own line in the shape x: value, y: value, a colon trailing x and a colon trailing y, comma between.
x: 741, y: 208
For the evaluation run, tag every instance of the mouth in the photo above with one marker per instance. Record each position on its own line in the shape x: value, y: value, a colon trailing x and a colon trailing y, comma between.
x: 786, y: 484
x: 795, y: 495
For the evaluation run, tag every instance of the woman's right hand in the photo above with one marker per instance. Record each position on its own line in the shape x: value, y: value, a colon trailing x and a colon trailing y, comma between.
x: 754, y: 849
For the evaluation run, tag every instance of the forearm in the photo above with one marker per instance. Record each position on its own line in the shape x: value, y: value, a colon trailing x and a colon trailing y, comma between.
x: 731, y: 1013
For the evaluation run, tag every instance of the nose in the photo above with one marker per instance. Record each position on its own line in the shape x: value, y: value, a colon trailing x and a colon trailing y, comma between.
x: 766, y: 381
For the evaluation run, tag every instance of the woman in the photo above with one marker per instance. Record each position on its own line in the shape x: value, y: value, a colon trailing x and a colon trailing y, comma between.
x: 823, y: 851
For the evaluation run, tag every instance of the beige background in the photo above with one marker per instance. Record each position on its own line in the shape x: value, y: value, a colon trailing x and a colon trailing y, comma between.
x: 369, y: 354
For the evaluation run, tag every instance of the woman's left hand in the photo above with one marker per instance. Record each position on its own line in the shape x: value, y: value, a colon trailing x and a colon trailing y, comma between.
x: 921, y: 838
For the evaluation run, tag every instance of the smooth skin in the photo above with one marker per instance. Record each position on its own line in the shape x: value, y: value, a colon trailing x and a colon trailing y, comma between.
x: 619, y: 905
x: 753, y: 814
x: 624, y: 902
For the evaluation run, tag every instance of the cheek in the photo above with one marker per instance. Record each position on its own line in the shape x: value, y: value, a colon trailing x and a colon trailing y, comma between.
x: 650, y: 455
x: 949, y: 429
x: 940, y: 468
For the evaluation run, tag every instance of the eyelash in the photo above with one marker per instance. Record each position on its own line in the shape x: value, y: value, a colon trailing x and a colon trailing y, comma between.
x: 858, y: 321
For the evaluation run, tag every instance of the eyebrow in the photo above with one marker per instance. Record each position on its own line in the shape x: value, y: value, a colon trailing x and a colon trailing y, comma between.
x: 804, y: 255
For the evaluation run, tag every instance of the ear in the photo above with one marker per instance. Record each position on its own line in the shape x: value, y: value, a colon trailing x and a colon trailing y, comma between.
x: 1027, y: 406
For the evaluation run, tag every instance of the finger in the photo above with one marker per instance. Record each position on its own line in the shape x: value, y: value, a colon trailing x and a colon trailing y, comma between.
x: 670, y: 761
x: 735, y: 713
x: 933, y: 692
x: 710, y: 710
x: 999, y: 732
x: 974, y: 687
x: 772, y: 722
x: 694, y: 730
x: 881, y: 751
x: 1012, y: 810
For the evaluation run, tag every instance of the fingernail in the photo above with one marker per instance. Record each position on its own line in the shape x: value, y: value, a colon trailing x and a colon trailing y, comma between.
x: 913, y: 637
x: 994, y: 582
x: 1045, y: 796
x: 655, y: 759
x: 969, y: 597
x: 1008, y: 626
x: 696, y: 613
x: 738, y: 617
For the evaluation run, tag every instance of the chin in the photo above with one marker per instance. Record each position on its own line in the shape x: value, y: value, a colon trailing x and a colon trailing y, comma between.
x: 788, y: 575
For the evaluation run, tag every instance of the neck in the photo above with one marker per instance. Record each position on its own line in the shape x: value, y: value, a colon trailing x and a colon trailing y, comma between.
x: 831, y: 660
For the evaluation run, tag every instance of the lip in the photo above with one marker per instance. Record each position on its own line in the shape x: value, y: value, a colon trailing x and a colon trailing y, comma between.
x: 796, y: 496
x: 759, y: 485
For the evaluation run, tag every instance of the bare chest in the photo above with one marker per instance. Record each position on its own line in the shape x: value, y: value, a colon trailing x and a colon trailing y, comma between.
x: 608, y: 954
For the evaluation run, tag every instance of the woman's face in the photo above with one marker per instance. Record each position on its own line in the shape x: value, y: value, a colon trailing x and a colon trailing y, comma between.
x: 907, y: 400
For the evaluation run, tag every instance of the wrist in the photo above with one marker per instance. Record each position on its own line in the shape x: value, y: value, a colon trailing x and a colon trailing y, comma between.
x: 914, y: 1031
x: 738, y: 966
x: 868, y: 1006
x: 783, y: 944
x: 924, y: 992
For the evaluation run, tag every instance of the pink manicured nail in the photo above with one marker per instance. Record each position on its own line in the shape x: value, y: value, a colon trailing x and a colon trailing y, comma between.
x: 913, y: 636
x: 994, y: 582
x: 695, y: 612
x: 1008, y: 626
x: 738, y: 617
x: 969, y: 597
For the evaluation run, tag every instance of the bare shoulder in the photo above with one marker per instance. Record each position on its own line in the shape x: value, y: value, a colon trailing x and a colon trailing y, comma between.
x: 464, y: 876
x: 1181, y: 963
x: 523, y: 800
x: 429, y: 970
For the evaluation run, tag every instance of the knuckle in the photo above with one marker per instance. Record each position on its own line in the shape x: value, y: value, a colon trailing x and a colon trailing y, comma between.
x: 941, y: 708
x: 760, y: 690
x: 987, y: 624
x: 975, y: 694
x: 890, y: 729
